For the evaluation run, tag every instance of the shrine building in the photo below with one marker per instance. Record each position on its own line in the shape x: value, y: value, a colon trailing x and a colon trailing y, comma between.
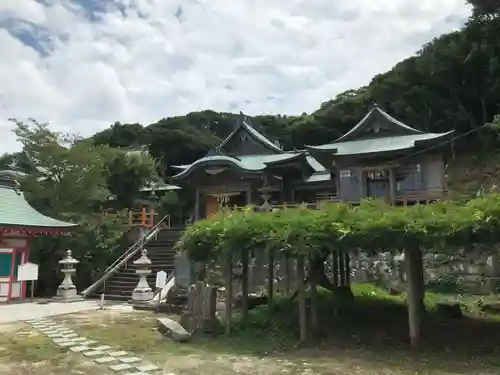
x: 19, y: 222
x: 380, y: 157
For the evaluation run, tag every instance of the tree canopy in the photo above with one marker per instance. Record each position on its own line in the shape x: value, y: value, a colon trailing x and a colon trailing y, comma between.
x: 72, y: 178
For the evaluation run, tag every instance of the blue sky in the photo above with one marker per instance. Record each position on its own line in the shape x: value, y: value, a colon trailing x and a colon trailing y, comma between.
x: 83, y: 64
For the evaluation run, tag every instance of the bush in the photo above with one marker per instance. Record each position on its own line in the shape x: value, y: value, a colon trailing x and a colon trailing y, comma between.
x: 372, y: 226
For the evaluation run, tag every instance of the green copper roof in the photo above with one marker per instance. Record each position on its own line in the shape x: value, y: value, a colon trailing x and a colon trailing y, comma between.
x: 318, y: 177
x: 374, y: 121
x: 247, y: 163
x: 245, y: 123
x: 15, y: 211
x: 375, y: 145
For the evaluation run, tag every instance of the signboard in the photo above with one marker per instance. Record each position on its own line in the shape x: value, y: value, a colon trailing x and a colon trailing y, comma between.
x: 161, y: 279
x: 27, y: 272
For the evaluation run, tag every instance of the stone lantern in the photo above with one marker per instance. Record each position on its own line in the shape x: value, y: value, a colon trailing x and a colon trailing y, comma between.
x: 67, y: 290
x: 266, y: 196
x: 142, y: 291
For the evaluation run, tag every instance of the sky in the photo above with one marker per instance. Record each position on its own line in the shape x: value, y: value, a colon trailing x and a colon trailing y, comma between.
x: 81, y: 65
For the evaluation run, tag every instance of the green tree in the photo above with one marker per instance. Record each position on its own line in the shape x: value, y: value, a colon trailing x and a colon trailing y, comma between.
x: 485, y: 8
x: 69, y: 181
x: 127, y: 173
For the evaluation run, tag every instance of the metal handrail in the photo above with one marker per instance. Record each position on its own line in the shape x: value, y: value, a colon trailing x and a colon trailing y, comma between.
x: 132, y: 250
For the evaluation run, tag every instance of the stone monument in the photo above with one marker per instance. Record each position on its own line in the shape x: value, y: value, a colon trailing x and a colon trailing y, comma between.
x: 67, y: 290
x: 142, y: 291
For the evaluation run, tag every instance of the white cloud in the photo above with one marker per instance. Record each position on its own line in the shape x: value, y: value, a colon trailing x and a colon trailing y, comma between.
x: 140, y: 60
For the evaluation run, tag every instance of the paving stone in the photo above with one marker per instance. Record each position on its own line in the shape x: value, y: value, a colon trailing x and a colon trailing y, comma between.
x: 79, y: 339
x: 120, y: 367
x: 88, y: 342
x: 68, y: 344
x: 130, y: 359
x: 120, y: 353
x: 94, y: 353
x: 104, y: 348
x: 146, y: 368
x: 58, y: 340
x: 105, y: 360
x: 70, y: 335
x: 78, y: 349
x: 55, y: 335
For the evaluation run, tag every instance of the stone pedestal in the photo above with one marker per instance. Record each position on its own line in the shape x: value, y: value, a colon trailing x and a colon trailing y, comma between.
x: 67, y: 290
x: 142, y: 291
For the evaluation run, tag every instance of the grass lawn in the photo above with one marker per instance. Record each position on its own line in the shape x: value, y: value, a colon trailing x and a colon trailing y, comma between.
x: 23, y: 351
x: 371, y: 340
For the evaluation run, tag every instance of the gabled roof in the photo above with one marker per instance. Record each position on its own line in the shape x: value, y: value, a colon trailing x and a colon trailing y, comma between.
x: 385, y: 121
x: 397, y: 136
x: 244, y: 123
x: 377, y: 145
x: 16, y: 212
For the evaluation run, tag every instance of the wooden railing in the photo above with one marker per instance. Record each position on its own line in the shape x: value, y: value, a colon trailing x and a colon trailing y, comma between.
x: 422, y: 197
x: 144, y: 217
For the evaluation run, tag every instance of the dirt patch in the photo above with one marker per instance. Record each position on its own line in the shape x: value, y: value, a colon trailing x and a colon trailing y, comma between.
x: 24, y: 351
x: 136, y: 333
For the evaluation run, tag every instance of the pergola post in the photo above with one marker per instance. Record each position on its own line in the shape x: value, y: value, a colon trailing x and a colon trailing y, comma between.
x: 228, y: 269
x: 415, y: 293
x: 270, y: 278
x: 301, y: 298
x: 244, y: 285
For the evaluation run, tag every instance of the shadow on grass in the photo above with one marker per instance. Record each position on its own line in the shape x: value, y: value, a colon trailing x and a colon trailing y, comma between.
x: 369, y: 332
x: 374, y: 325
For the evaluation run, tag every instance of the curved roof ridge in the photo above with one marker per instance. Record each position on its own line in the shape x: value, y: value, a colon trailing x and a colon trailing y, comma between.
x: 245, y: 123
x: 373, y: 112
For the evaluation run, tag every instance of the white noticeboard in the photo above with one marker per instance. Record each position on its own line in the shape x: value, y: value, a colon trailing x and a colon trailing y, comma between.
x: 27, y: 272
x: 161, y: 279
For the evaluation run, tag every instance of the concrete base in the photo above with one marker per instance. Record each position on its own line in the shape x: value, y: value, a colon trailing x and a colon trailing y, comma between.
x: 142, y: 296
x: 67, y: 295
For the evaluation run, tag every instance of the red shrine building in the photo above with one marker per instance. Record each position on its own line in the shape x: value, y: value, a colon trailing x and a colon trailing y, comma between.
x: 19, y: 222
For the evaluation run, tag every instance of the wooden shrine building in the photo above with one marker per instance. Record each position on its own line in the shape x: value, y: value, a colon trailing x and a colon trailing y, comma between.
x: 379, y: 157
x: 19, y: 222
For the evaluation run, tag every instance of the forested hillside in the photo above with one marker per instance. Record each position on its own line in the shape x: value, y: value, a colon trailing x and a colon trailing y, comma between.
x: 453, y: 82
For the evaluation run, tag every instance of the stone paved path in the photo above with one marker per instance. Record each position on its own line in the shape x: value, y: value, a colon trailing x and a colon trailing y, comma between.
x: 32, y: 310
x: 119, y: 361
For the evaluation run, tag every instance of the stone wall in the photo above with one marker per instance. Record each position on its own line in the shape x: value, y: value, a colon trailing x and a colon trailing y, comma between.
x: 471, y: 272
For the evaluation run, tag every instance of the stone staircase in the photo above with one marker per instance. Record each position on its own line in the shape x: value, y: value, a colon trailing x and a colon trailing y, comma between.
x: 161, y: 252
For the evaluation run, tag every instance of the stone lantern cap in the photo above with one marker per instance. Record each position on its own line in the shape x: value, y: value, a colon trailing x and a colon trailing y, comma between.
x: 69, y: 259
x: 143, y: 260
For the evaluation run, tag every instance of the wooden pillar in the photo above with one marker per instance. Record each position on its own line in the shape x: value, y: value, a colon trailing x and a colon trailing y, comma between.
x: 287, y: 276
x: 392, y: 186
x: 229, y: 292
x: 335, y: 268
x: 197, y: 204
x: 244, y: 285
x: 270, y: 278
x: 301, y: 298
x: 414, y: 298
x: 341, y: 268
x: 347, y: 269
x: 11, y: 276
x: 249, y: 196
x: 314, y: 301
